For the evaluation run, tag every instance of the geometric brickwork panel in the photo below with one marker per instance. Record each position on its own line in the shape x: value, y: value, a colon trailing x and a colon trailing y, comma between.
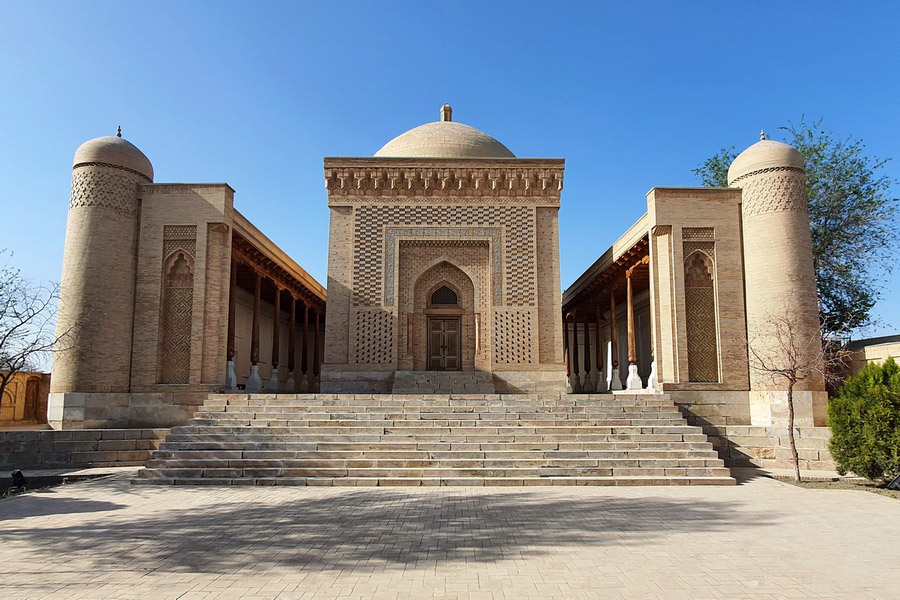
x: 698, y: 233
x: 513, y: 337
x: 516, y: 224
x: 452, y: 239
x: 774, y: 192
x: 176, y: 350
x: 179, y: 248
x: 374, y: 337
x: 113, y: 190
x: 700, y: 305
x: 179, y: 237
x: 708, y: 248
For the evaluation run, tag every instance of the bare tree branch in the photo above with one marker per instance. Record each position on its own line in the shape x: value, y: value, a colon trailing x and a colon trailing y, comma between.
x: 781, y: 350
x: 28, y: 333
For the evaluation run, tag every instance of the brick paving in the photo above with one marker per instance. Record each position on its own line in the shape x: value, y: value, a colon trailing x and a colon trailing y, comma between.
x: 762, y: 539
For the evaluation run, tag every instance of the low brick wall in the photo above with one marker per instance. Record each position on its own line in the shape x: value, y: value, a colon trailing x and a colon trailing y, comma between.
x: 54, y: 449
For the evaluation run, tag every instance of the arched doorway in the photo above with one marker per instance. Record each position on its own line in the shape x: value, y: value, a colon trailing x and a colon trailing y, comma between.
x: 442, y: 324
x: 444, y: 345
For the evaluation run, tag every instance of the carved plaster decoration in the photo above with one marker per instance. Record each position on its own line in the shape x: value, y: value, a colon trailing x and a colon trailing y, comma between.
x: 375, y: 184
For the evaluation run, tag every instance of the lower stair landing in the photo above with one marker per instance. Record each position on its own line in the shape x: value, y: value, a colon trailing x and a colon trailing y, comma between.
x: 436, y: 440
x: 443, y: 382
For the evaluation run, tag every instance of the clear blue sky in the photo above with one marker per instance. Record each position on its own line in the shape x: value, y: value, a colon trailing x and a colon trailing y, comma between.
x: 631, y: 94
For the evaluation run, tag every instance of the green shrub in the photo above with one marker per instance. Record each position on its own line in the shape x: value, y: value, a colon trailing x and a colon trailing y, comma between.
x: 865, y: 423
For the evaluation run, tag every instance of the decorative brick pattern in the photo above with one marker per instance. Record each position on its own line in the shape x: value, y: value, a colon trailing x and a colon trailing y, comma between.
x: 766, y: 171
x: 179, y: 237
x: 513, y: 337
x: 115, y: 190
x: 179, y: 248
x: 707, y: 248
x: 698, y: 233
x: 449, y: 240
x: 374, y: 337
x: 775, y: 193
x: 699, y: 292
x: 517, y: 224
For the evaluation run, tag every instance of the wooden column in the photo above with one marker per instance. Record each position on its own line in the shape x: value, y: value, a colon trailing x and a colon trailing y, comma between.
x: 254, y: 332
x: 232, y: 293
x: 304, y: 346
x: 575, y: 368
x: 316, y: 347
x: 629, y: 305
x: 599, y: 354
x: 587, y: 349
x: 292, y: 335
x: 576, y: 380
x: 276, y: 332
x: 253, y: 383
x: 613, y: 328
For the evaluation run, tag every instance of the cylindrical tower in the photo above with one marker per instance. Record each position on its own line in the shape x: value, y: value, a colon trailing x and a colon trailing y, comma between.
x: 97, y: 288
x: 780, y: 279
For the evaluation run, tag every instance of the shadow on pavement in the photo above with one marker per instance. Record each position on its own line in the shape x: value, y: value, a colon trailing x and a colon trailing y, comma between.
x: 369, y: 529
x: 44, y: 503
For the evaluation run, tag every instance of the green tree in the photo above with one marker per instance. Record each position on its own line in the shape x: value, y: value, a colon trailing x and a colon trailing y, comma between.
x: 713, y: 172
x: 852, y: 219
x: 865, y: 423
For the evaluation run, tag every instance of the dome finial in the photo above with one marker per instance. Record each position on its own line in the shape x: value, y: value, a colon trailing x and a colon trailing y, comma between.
x: 119, y: 132
x: 762, y: 135
x: 446, y: 113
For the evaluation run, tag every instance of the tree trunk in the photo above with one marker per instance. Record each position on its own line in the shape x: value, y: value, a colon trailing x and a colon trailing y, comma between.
x: 4, y: 381
x: 790, y: 403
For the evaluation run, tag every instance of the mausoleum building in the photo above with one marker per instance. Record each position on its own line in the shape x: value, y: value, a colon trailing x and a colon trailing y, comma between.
x: 443, y: 267
x: 443, y: 289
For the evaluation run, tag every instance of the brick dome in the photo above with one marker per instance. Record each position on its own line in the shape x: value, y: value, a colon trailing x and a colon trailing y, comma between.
x: 765, y: 154
x: 445, y: 139
x: 114, y: 150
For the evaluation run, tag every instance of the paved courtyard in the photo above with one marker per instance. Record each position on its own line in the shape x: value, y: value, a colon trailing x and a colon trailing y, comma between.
x: 761, y: 539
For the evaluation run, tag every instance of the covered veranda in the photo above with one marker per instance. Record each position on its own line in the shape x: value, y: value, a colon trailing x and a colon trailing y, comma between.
x: 607, y: 337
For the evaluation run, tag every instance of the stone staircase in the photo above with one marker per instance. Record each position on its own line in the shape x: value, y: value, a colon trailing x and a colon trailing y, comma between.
x: 443, y: 382
x: 382, y: 440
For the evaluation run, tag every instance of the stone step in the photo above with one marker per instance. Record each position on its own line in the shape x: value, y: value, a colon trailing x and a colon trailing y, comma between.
x: 192, y: 451
x: 442, y: 423
x: 365, y: 428
x: 425, y: 481
x: 387, y: 412
x: 443, y: 463
x: 309, y: 439
x: 360, y: 447
x: 419, y: 400
x: 434, y: 472
x: 448, y: 438
x: 446, y: 400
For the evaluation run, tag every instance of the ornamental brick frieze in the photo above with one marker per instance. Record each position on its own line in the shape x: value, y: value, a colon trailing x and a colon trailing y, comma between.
x: 114, y: 189
x: 374, y: 184
x: 775, y: 192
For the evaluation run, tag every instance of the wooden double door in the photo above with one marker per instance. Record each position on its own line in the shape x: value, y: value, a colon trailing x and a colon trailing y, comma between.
x: 444, y: 344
